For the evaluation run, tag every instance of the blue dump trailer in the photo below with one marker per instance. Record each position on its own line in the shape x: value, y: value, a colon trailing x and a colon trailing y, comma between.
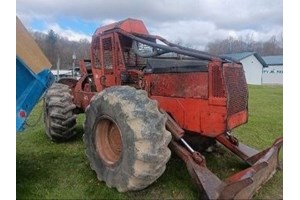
x: 33, y: 75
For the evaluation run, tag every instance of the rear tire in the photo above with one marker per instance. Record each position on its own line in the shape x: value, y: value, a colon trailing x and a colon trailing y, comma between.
x: 126, y: 139
x: 59, y: 117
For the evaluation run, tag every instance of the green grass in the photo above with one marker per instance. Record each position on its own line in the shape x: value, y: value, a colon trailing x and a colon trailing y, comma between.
x: 48, y: 170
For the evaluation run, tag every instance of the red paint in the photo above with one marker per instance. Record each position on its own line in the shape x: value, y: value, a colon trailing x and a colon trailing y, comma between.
x: 195, y: 114
x: 210, y: 102
x: 237, y: 119
x: 128, y: 25
x: 198, y: 101
x: 187, y: 85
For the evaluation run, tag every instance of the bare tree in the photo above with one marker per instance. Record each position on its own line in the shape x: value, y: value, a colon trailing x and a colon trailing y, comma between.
x: 54, y: 46
x: 273, y: 46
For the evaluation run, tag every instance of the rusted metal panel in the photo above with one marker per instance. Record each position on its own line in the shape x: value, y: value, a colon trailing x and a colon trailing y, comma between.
x: 195, y: 115
x: 82, y: 93
x: 237, y: 95
x: 217, y: 81
x: 187, y: 85
x: 213, y: 124
x: 237, y: 119
x: 236, y: 87
x: 217, y: 93
x: 129, y: 25
x: 82, y: 99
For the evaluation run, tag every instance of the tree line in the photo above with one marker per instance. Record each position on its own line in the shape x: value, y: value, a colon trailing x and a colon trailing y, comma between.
x: 272, y: 46
x: 57, y: 47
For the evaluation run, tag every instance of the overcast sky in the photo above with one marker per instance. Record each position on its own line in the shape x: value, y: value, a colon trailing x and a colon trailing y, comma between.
x: 193, y: 22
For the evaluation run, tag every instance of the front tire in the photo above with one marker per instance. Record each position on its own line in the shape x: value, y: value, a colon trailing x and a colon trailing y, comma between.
x: 126, y: 139
x: 59, y: 117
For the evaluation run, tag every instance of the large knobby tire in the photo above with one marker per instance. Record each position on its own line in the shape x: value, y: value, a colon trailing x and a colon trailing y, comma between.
x: 126, y: 139
x: 59, y: 117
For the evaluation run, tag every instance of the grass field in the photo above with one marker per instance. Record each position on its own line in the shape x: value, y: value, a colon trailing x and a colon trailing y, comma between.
x: 48, y: 170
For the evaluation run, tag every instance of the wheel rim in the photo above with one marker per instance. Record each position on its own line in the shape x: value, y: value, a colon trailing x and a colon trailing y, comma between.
x: 108, y: 141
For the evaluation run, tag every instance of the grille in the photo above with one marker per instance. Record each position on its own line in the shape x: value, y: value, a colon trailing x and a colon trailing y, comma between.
x: 107, y: 53
x: 96, y: 52
x: 237, y: 89
x: 217, y: 82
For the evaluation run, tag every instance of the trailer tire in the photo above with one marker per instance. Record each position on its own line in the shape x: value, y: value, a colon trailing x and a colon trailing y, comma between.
x: 126, y: 138
x: 59, y: 117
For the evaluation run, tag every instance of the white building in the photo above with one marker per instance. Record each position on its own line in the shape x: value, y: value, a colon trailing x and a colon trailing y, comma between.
x: 65, y: 73
x: 62, y: 73
x: 253, y: 65
x: 273, y: 74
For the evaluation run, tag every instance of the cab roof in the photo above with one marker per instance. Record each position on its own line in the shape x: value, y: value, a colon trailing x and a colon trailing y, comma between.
x: 129, y: 25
